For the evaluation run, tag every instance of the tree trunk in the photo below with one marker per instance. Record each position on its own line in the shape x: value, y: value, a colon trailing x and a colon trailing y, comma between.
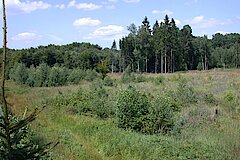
x: 112, y: 67
x: 138, y: 66
x: 205, y: 62
x: 173, y: 62
x: 4, y: 102
x: 161, y: 63
x: 165, y: 63
x: 156, y: 62
x: 146, y: 64
x: 171, y: 65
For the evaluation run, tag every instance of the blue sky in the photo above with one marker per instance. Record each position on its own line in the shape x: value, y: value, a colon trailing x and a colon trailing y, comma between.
x: 32, y: 22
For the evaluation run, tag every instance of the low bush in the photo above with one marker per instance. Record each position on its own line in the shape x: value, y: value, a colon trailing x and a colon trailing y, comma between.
x: 185, y: 91
x: 136, y: 112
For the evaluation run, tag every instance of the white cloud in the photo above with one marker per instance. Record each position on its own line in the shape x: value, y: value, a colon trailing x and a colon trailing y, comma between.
x: 156, y: 12
x: 27, y: 6
x: 109, y: 32
x: 84, y: 6
x: 178, y: 22
x: 86, y: 22
x: 60, y: 6
x: 164, y: 12
x: 26, y: 37
x: 202, y: 22
x: 110, y: 7
x: 131, y: 1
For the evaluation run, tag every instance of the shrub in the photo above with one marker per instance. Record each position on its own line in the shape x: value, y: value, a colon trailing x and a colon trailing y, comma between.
x: 108, y: 82
x: 231, y: 102
x: 19, y: 73
x: 132, y: 109
x: 127, y: 76
x: 140, y: 78
x: 76, y: 75
x: 57, y: 76
x: 185, y: 91
x: 91, y: 75
x: 162, y: 114
x: 159, y: 80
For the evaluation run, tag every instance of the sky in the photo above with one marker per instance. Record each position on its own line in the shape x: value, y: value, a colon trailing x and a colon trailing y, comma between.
x: 32, y: 23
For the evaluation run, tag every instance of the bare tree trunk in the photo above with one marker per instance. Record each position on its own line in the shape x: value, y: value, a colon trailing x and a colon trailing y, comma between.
x: 165, y: 63
x: 161, y: 63
x: 202, y: 64
x: 146, y: 65
x: 171, y: 60
x: 138, y: 66
x: 112, y: 67
x: 4, y: 102
x: 205, y: 62
x: 156, y: 62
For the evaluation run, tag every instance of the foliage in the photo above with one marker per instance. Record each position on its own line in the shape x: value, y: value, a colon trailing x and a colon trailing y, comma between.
x: 103, y: 68
x: 19, y: 73
x: 162, y: 114
x: 185, y: 91
x: 23, y: 144
x: 127, y: 75
x: 231, y: 102
x: 76, y: 75
x: 109, y: 82
x: 95, y: 101
x: 132, y: 109
x: 159, y: 80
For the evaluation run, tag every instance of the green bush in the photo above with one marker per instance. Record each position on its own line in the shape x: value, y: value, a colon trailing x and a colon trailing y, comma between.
x: 140, y: 78
x: 231, y: 102
x: 127, y: 76
x: 108, y: 82
x: 19, y: 73
x: 57, y: 76
x: 94, y: 101
x: 132, y: 109
x: 159, y: 80
x: 162, y: 115
x: 91, y: 75
x: 185, y: 91
x: 76, y: 75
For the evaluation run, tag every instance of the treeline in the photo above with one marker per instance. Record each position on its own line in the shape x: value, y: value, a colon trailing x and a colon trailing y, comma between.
x: 165, y: 48
x: 162, y: 48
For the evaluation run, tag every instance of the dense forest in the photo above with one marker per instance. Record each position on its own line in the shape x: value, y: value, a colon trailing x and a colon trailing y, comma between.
x: 162, y: 48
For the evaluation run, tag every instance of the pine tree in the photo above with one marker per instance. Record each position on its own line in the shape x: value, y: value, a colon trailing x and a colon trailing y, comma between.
x: 15, y: 137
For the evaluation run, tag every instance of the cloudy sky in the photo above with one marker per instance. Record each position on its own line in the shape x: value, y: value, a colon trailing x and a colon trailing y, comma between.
x: 32, y: 23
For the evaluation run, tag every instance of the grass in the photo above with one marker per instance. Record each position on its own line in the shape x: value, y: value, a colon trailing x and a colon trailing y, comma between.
x: 88, y: 137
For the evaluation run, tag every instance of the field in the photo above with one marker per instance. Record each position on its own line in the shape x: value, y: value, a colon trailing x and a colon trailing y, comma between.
x: 206, y: 126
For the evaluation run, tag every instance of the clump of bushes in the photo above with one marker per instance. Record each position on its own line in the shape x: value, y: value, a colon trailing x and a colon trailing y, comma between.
x: 136, y: 112
x: 94, y: 101
x: 46, y: 76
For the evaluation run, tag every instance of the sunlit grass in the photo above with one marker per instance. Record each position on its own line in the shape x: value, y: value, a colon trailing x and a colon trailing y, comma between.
x: 85, y: 137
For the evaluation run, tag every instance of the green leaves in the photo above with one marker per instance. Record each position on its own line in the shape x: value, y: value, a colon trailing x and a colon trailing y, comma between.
x: 136, y: 112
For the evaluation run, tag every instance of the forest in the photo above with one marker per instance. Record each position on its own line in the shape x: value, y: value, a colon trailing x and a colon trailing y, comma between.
x: 162, y: 48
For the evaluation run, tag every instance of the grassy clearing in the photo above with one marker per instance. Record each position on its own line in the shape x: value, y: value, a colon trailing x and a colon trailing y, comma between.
x: 204, y: 134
